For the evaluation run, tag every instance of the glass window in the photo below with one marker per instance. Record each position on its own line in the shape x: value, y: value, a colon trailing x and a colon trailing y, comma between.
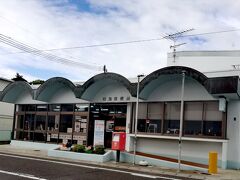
x: 142, y: 117
x: 54, y: 107
x: 41, y: 107
x: 30, y: 107
x: 29, y: 122
x: 27, y: 136
x: 20, y: 108
x: 40, y: 122
x: 66, y: 123
x: 172, y: 116
x: 40, y: 136
x: 19, y: 121
x: 81, y: 108
x: 52, y: 128
x: 212, y: 124
x: 18, y: 135
x: 142, y: 111
x: 53, y: 123
x: 67, y: 107
x: 121, y: 109
x: 80, y: 124
x: 193, y: 114
x: 155, y: 115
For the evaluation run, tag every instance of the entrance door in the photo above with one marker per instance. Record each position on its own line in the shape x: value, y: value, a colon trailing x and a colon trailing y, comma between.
x: 114, y: 116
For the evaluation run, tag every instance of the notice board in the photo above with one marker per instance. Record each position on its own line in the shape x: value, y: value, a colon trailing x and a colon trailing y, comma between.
x: 99, y: 132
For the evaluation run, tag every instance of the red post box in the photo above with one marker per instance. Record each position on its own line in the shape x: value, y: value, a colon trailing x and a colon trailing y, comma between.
x: 118, y: 141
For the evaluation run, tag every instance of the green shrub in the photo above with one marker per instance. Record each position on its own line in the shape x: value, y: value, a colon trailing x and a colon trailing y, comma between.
x: 89, y: 151
x: 99, y: 149
x: 79, y: 148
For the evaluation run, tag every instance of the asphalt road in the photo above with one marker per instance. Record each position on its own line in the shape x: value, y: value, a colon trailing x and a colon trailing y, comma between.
x: 19, y: 167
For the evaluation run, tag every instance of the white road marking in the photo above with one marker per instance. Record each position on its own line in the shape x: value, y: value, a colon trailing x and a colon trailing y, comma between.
x: 144, y: 175
x: 88, y: 166
x: 153, y: 177
x: 29, y: 176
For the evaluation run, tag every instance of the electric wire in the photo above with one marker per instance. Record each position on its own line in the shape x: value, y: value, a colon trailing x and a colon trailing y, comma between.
x: 28, y: 49
x: 130, y: 42
x: 36, y: 37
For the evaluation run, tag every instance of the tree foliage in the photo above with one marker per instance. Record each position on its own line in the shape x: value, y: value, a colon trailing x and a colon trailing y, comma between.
x: 19, y: 77
x: 37, y: 81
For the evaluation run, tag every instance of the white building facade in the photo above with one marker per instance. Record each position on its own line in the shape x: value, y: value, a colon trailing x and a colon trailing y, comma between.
x: 218, y: 64
x: 59, y: 111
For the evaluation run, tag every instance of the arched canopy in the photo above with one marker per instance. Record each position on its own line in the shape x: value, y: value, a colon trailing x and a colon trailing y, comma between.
x: 16, y: 90
x: 91, y: 87
x: 153, y: 80
x: 48, y: 89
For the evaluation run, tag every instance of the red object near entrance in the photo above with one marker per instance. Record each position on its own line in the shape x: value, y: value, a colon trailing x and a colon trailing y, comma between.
x: 118, y: 141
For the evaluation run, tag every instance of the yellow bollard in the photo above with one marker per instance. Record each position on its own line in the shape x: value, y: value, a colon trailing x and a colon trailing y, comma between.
x: 212, y: 164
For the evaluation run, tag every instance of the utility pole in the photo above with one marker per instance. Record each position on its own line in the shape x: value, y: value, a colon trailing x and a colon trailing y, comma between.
x: 136, y: 120
x: 181, y: 123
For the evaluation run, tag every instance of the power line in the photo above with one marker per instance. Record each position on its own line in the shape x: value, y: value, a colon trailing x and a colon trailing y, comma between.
x: 209, y: 33
x: 126, y: 42
x: 33, y: 35
x: 28, y: 49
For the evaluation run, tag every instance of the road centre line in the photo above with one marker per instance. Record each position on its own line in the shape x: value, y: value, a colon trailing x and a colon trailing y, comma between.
x: 29, y: 176
x: 88, y: 166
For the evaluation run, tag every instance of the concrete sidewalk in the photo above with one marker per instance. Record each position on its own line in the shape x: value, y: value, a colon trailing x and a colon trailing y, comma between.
x: 222, y: 174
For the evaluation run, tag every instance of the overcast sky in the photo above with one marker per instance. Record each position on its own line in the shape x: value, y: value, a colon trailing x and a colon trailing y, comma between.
x: 70, y: 23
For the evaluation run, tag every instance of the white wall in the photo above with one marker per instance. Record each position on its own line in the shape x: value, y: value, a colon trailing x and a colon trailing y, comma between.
x: 233, y: 134
x: 208, y: 61
x: 113, y: 90
x: 26, y: 98
x: 65, y: 95
x: 171, y: 91
x: 195, y: 151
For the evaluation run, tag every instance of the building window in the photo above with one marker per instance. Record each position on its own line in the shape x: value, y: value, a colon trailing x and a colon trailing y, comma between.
x: 53, y: 123
x: 42, y: 108
x: 29, y: 122
x: 40, y: 122
x: 53, y: 128
x: 28, y: 127
x: 201, y: 119
x: 30, y: 107
x: 81, y: 108
x: 19, y: 122
x: 40, y: 128
x: 193, y: 114
x: 142, y: 117
x: 171, y: 119
x: 212, y: 123
x: 67, y: 107
x: 54, y: 107
x: 66, y: 123
x: 155, y: 116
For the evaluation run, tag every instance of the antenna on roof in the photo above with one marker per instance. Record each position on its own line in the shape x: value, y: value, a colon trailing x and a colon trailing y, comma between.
x: 174, y: 38
x: 104, y: 69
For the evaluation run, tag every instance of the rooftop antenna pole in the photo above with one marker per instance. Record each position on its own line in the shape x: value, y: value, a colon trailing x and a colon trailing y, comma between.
x: 174, y: 38
x: 104, y: 69
x: 174, y: 46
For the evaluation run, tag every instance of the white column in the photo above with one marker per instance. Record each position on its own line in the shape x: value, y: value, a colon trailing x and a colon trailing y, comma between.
x: 224, y: 155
